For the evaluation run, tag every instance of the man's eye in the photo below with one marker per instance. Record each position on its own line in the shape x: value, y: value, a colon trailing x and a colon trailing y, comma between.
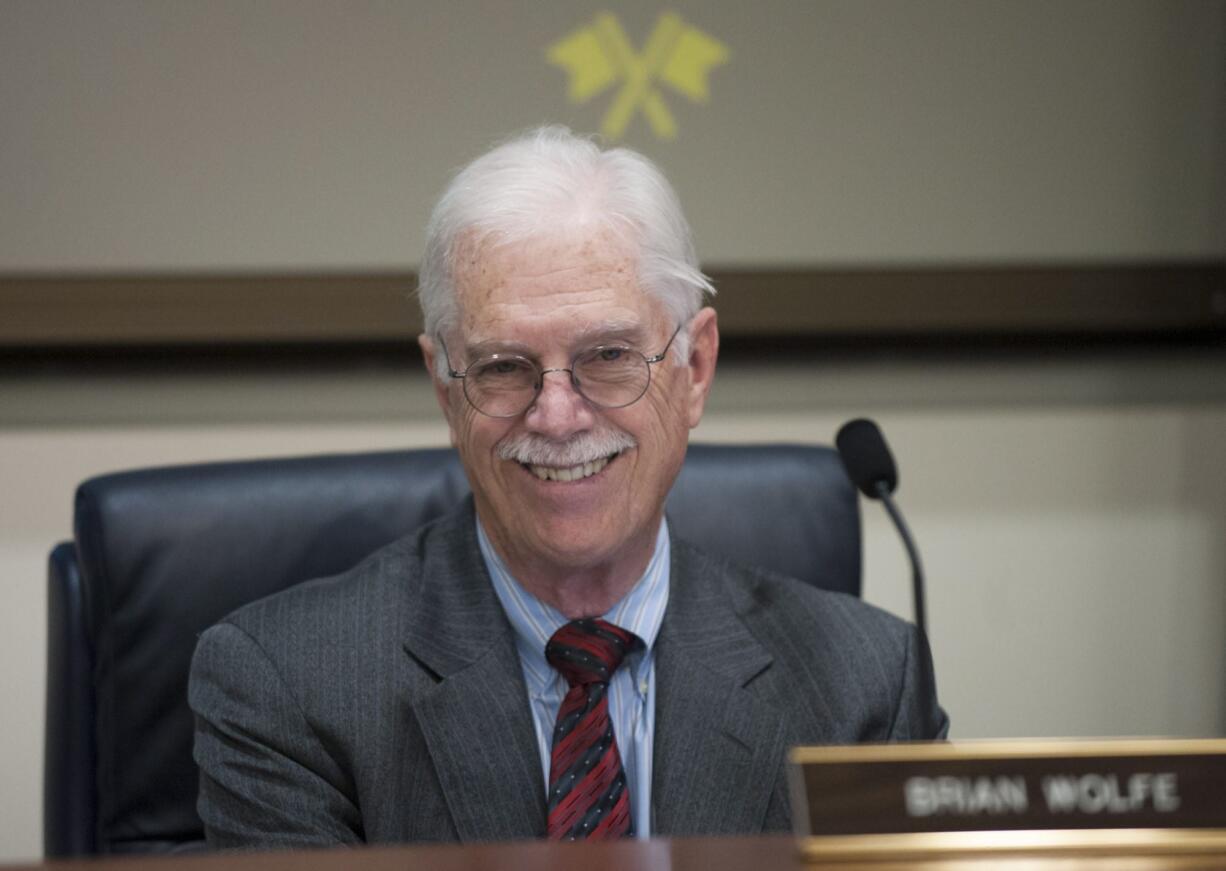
x: 611, y: 355
x: 501, y: 368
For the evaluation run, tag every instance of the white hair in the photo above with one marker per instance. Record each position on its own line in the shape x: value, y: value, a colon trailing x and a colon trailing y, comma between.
x: 545, y: 183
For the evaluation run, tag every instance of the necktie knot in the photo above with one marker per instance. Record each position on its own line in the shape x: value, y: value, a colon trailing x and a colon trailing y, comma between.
x: 589, y: 650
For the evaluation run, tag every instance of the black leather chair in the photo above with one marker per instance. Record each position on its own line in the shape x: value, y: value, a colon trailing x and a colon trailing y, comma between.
x: 161, y: 554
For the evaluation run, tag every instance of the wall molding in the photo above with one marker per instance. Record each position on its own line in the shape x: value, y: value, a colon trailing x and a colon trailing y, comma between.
x: 61, y: 311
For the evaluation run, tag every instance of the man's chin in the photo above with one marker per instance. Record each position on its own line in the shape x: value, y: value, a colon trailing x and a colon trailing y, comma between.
x: 578, y: 544
x: 574, y: 545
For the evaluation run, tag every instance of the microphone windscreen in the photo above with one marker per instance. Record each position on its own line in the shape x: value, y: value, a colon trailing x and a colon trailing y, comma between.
x: 866, y: 457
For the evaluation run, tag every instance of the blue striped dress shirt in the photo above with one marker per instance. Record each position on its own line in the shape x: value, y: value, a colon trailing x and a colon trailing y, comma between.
x: 632, y: 692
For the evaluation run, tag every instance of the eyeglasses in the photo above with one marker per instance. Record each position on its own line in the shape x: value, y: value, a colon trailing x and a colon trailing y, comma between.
x: 608, y: 376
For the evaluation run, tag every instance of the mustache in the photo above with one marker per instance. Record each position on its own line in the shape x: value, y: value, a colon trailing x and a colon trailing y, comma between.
x: 535, y: 450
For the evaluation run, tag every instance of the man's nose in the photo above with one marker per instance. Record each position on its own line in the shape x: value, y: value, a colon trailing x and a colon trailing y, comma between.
x: 559, y: 410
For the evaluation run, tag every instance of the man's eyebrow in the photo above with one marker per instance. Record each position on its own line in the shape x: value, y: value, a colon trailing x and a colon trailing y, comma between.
x: 496, y: 346
x: 600, y: 334
x: 606, y: 334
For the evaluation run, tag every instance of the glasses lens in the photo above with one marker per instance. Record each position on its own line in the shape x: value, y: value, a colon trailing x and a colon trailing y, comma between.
x: 612, y: 376
x: 501, y: 385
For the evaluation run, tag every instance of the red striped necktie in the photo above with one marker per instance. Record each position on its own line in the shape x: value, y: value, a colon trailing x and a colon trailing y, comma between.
x: 588, y: 798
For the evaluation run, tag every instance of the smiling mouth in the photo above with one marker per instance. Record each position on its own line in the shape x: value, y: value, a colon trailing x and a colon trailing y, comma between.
x: 570, y: 473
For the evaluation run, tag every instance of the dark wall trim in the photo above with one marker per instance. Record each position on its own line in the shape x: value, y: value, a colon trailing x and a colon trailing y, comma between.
x: 144, y: 310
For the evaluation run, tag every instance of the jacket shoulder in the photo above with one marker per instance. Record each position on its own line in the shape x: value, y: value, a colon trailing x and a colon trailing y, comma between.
x: 862, y: 671
x: 758, y: 593
x: 386, y: 575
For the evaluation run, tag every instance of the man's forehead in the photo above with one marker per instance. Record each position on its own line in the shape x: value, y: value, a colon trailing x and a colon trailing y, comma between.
x: 484, y: 262
x: 588, y: 304
x: 558, y: 290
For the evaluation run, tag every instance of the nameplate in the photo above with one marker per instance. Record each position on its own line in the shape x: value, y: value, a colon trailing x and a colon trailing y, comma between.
x: 887, y: 800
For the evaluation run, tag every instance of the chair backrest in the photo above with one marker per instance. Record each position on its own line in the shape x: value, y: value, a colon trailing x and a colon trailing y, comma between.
x: 161, y: 554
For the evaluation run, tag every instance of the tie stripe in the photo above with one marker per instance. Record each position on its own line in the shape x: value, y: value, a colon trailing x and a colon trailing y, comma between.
x: 587, y: 784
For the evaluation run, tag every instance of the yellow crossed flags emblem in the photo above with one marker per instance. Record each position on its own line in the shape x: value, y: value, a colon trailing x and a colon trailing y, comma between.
x: 599, y: 55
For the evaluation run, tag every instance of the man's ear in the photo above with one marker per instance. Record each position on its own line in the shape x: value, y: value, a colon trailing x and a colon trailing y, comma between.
x: 704, y: 350
x: 441, y: 394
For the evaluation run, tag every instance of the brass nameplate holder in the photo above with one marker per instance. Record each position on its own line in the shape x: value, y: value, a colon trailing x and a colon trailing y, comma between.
x: 897, y: 801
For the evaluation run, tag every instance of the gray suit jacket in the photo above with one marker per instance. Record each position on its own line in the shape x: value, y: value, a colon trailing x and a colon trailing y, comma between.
x: 387, y: 704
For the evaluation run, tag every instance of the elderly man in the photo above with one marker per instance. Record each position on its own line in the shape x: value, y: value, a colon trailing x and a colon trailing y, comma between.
x: 548, y: 661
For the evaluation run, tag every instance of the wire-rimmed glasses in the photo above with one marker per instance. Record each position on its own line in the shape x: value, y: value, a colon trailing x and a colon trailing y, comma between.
x: 608, y: 376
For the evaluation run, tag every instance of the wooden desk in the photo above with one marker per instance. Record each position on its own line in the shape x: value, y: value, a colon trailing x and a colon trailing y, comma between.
x: 698, y: 854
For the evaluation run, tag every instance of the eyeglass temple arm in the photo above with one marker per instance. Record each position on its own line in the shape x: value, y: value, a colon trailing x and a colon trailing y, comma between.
x: 451, y: 373
x: 660, y: 356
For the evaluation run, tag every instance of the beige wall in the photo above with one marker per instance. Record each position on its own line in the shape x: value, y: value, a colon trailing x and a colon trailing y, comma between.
x: 1071, y: 512
x: 306, y: 134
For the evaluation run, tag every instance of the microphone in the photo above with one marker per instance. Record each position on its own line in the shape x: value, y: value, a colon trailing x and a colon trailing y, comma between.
x: 871, y: 468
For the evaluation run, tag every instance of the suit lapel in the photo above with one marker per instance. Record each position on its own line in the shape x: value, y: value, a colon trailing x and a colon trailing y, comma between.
x: 475, y: 720
x: 718, y: 747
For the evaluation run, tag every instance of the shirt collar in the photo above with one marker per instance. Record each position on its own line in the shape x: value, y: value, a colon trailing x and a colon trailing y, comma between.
x: 640, y: 611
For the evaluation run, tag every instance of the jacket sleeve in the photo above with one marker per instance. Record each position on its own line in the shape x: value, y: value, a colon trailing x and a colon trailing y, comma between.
x: 267, y: 779
x: 917, y: 715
